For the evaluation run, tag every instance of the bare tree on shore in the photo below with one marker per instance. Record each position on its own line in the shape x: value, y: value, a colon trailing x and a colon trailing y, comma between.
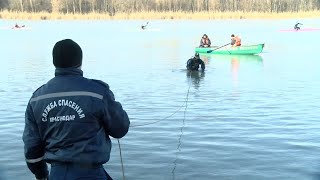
x: 128, y: 6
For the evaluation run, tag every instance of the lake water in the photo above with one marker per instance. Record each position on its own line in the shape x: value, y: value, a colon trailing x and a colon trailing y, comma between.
x: 245, y: 118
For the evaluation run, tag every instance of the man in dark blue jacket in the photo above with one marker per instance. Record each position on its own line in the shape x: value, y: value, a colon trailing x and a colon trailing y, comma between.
x: 69, y: 119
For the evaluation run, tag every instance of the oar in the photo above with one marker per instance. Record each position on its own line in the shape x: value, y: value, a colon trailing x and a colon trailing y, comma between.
x: 218, y: 48
x: 146, y: 24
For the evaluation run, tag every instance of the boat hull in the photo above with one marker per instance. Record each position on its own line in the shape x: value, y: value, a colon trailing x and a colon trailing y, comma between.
x: 238, y: 50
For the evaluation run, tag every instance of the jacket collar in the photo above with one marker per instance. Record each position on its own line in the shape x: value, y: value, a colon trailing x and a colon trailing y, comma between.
x: 68, y: 71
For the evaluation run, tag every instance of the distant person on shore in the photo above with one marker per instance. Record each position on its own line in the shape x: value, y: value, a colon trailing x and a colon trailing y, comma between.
x: 235, y: 40
x: 297, y: 27
x: 194, y: 63
x: 144, y: 26
x: 205, y: 41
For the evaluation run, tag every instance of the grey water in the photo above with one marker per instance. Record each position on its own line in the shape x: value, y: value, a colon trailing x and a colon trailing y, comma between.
x: 244, y: 118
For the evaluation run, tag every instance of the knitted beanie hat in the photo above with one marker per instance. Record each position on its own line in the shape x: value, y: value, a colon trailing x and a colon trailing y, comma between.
x: 67, y: 53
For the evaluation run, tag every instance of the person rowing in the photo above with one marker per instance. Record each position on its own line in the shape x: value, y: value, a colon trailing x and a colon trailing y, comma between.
x: 297, y: 27
x: 235, y: 40
x: 144, y: 26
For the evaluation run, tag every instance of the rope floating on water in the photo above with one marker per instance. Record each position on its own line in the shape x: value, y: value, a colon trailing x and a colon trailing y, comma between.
x: 186, y: 105
x: 123, y: 176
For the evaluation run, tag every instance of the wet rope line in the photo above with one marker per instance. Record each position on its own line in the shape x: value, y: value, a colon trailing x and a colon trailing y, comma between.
x: 185, y: 103
x: 123, y: 177
x: 167, y: 117
x: 180, y: 137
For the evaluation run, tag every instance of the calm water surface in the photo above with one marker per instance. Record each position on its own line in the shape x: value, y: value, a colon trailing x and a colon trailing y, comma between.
x: 245, y: 118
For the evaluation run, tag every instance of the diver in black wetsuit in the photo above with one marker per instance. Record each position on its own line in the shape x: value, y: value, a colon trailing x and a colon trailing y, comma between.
x: 194, y: 62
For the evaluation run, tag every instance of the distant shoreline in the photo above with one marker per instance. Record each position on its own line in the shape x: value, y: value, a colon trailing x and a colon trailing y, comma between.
x: 158, y: 15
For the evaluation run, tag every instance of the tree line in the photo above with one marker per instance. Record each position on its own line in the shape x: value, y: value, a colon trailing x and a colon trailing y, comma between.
x: 129, y: 6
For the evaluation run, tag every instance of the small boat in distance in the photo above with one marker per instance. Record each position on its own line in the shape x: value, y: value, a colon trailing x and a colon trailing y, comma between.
x: 229, y: 50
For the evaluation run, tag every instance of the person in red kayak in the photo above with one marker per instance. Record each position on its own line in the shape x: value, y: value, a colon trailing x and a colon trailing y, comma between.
x: 17, y: 26
x: 296, y: 26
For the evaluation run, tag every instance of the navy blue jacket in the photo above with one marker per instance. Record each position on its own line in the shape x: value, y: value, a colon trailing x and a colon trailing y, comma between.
x: 70, y: 119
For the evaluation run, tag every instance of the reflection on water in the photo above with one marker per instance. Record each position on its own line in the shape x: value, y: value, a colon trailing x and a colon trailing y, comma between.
x: 241, y: 66
x: 244, y: 118
x: 251, y: 58
x: 236, y: 61
x: 196, y: 77
x: 205, y: 59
